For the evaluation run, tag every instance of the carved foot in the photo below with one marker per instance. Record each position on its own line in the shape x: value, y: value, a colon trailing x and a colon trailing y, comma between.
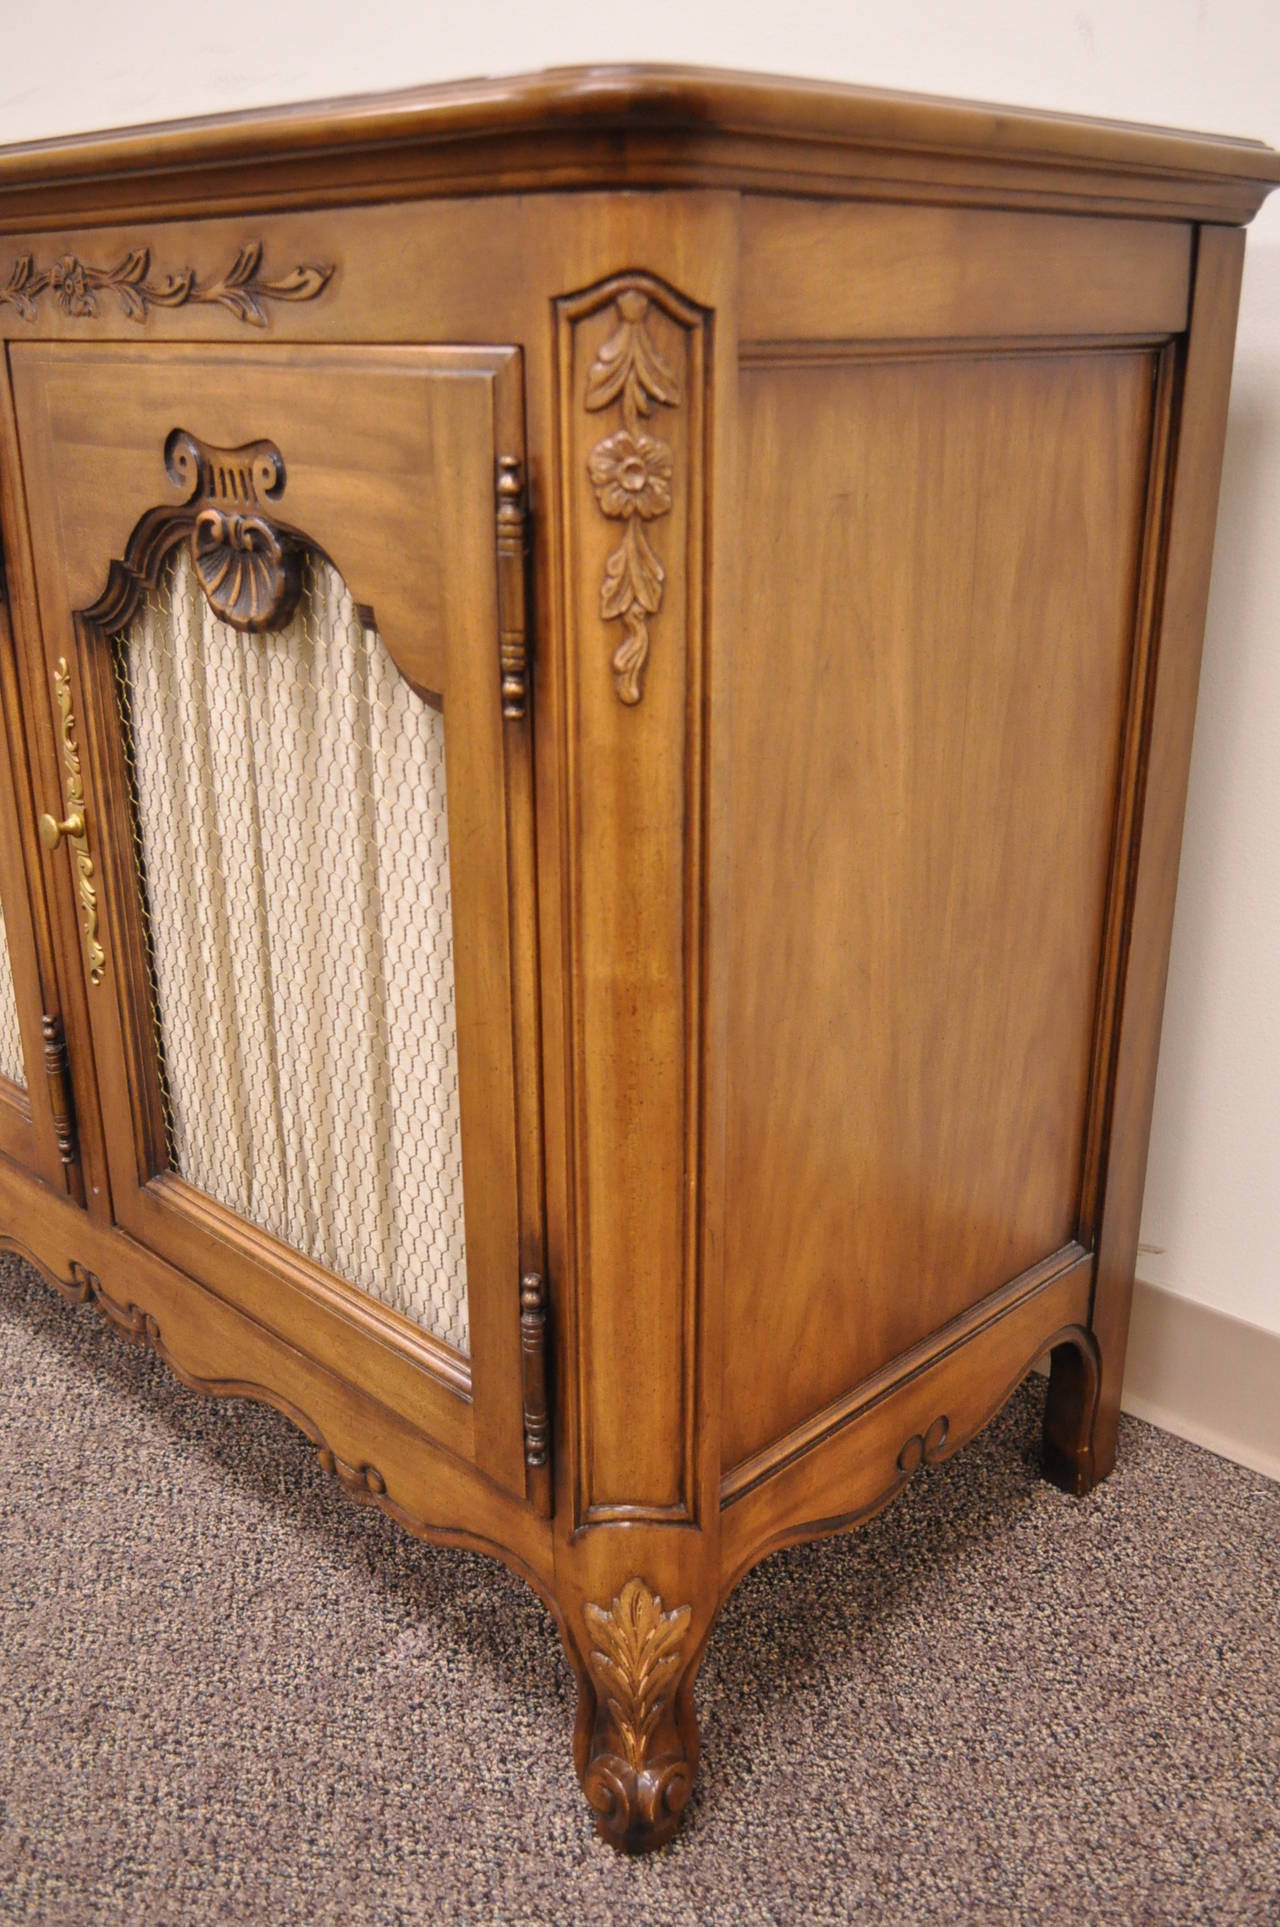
x: 1076, y: 1457
x: 637, y: 1746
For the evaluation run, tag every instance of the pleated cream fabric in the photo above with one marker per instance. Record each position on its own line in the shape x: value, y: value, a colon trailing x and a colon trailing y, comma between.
x: 11, y: 1064
x: 293, y: 849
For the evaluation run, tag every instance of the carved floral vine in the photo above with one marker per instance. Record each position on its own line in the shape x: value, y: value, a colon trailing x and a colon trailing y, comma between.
x: 75, y: 286
x: 638, y: 1788
x: 631, y: 472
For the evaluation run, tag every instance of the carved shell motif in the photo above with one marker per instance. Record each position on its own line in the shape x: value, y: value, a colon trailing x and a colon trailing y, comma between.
x: 631, y: 473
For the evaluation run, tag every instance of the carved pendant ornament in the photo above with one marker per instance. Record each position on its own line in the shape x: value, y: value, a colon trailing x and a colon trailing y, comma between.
x: 243, y: 290
x: 636, y: 1783
x: 248, y: 565
x: 631, y: 472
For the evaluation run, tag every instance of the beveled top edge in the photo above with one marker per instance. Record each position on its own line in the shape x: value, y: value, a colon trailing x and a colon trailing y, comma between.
x: 698, y: 104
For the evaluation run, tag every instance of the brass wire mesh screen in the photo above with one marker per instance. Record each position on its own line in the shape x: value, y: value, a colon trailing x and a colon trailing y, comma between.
x: 11, y: 1064
x: 292, y: 848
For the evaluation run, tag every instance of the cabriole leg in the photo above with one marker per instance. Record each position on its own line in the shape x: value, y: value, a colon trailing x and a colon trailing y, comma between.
x: 1075, y: 1455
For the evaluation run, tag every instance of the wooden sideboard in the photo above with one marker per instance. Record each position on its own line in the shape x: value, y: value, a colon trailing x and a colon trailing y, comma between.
x: 597, y: 679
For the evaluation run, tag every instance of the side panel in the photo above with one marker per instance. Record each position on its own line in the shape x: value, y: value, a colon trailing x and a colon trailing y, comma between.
x: 942, y: 556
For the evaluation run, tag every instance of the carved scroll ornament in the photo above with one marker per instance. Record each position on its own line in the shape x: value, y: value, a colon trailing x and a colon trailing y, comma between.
x: 631, y: 472
x: 243, y: 290
x: 924, y: 1449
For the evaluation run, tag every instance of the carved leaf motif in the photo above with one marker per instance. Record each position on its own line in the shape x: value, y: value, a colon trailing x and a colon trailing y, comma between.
x: 243, y: 292
x: 633, y: 574
x: 631, y: 365
x: 17, y: 290
x: 634, y: 1661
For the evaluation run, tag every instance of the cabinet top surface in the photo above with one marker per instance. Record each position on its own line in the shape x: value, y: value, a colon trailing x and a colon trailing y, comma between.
x: 642, y: 126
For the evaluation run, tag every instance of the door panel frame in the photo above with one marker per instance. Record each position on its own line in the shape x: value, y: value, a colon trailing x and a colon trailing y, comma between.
x: 391, y: 459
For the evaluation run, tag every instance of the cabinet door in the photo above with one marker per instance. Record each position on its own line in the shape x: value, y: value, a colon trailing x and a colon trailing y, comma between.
x: 272, y: 588
x: 37, y: 1127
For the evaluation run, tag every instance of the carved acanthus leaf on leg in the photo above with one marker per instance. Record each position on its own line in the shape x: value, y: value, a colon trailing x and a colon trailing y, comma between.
x: 638, y: 1775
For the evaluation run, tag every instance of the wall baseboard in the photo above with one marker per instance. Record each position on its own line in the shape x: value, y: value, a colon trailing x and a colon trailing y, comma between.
x: 1205, y: 1376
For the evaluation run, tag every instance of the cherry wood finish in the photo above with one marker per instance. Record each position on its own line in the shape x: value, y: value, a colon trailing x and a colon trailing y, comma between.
x: 801, y: 502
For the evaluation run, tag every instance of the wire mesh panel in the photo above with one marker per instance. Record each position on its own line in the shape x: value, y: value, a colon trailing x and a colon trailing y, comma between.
x: 292, y: 848
x: 11, y: 1064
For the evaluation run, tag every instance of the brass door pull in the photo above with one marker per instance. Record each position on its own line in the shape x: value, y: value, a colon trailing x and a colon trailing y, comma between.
x: 52, y: 832
x: 74, y: 826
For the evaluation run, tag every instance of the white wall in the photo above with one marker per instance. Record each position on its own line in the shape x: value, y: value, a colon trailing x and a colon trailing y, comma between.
x: 1212, y: 1219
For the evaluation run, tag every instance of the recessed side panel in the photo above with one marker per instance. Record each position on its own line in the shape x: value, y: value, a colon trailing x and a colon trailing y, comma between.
x: 941, y: 562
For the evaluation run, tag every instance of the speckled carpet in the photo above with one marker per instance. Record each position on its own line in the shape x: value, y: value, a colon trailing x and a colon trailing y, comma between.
x: 227, y: 1695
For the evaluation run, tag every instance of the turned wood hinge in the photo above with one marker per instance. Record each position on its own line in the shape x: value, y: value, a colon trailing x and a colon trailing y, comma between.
x: 513, y: 623
x: 533, y: 1375
x: 58, y: 1076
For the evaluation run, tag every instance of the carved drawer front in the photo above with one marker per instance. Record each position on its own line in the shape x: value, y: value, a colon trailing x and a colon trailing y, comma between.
x: 292, y: 725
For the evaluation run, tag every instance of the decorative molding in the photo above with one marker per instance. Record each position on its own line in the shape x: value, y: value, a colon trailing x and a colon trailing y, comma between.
x: 925, y: 1450
x: 1071, y: 1260
x: 637, y: 1777
x: 75, y: 286
x: 364, y: 1483
x: 513, y: 623
x: 631, y: 472
x: 943, y: 1439
x: 57, y: 1072
x: 73, y: 829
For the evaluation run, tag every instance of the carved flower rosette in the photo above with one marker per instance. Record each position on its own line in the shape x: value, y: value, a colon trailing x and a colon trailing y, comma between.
x: 631, y: 473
